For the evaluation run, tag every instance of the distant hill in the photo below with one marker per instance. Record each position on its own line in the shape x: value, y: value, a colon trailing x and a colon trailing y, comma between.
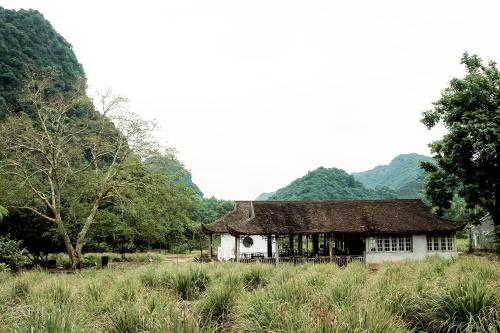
x: 403, y: 175
x: 265, y: 196
x: 27, y: 39
x: 169, y: 164
x: 330, y: 184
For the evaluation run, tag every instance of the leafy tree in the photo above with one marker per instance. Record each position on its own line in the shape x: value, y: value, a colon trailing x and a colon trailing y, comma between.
x: 207, y: 211
x: 467, y: 157
x: 156, y: 214
x: 61, y: 161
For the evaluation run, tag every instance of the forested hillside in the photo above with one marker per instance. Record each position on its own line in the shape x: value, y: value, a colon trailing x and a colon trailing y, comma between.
x: 403, y: 175
x: 113, y: 191
x: 169, y: 164
x: 330, y: 184
x: 265, y: 196
x: 27, y: 39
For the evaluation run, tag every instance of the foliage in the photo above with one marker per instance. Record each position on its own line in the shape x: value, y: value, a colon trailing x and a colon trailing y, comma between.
x: 27, y: 38
x: 39, y: 236
x: 70, y: 168
x: 467, y: 157
x: 3, y: 212
x: 210, y: 209
x: 12, y: 254
x: 402, y: 175
x: 330, y: 184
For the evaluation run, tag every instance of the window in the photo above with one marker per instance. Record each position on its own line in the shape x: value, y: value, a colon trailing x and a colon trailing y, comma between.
x: 247, y: 242
x: 440, y: 243
x: 380, y: 244
x: 391, y: 244
x: 387, y: 244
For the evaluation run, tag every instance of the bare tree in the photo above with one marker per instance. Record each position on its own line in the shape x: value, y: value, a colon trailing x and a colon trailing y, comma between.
x: 50, y: 148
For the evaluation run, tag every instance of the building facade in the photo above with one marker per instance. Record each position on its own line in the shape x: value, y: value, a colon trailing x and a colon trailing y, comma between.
x: 340, y: 231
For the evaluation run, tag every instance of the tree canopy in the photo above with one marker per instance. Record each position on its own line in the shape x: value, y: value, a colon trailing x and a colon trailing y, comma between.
x: 467, y: 157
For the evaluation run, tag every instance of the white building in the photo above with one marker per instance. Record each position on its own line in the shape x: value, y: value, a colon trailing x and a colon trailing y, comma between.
x: 341, y: 231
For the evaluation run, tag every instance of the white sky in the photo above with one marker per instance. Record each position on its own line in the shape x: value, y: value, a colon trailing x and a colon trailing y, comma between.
x: 253, y: 94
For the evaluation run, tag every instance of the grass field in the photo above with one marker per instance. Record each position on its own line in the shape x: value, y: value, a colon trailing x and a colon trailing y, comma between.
x: 434, y: 295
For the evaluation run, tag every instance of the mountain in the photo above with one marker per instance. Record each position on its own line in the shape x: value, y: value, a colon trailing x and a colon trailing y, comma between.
x: 330, y: 184
x: 403, y: 175
x: 264, y: 196
x: 170, y: 165
x: 27, y: 39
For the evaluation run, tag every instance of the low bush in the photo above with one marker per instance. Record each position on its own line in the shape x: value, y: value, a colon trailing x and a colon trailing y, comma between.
x: 463, y: 306
x: 12, y: 255
x: 190, y: 283
x: 255, y: 277
x: 216, y: 306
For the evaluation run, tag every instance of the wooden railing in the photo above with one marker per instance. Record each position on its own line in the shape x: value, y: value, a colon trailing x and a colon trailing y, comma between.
x: 339, y: 260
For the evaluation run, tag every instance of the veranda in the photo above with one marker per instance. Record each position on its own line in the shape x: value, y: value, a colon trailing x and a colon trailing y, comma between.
x: 299, y: 249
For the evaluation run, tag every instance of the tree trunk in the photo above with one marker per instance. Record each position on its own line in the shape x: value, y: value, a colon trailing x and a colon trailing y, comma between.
x: 73, y: 258
x: 82, y: 235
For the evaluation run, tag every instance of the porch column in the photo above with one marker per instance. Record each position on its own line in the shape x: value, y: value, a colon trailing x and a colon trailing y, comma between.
x: 210, y: 245
x: 330, y: 246
x: 299, y: 245
x: 325, y: 242
x: 315, y: 241
x: 290, y: 243
x: 237, y: 248
x: 269, y: 246
x: 277, y: 249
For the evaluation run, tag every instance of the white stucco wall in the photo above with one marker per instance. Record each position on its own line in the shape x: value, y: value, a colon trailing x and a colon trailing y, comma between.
x: 226, y: 249
x: 419, y: 252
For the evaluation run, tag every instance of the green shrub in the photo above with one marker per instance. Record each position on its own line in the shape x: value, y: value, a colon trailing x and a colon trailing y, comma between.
x: 4, y: 268
x: 12, y: 254
x: 181, y: 249
x: 127, y: 291
x: 57, y: 320
x: 372, y: 318
x: 61, y: 295
x: 255, y: 278
x: 20, y: 289
x: 215, y: 307
x: 94, y: 292
x: 151, y: 278
x: 129, y: 319
x: 190, y: 283
x: 461, y: 306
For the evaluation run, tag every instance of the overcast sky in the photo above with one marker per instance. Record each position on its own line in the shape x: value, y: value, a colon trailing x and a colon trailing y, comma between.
x: 254, y: 94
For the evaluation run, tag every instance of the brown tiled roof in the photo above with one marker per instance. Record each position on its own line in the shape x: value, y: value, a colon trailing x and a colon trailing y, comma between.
x: 309, y: 217
x: 241, y: 212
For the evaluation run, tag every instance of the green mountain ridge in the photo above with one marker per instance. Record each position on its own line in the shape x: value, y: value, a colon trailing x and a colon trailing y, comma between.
x: 330, y: 184
x: 264, y: 196
x: 27, y: 39
x: 402, y: 174
x: 402, y: 178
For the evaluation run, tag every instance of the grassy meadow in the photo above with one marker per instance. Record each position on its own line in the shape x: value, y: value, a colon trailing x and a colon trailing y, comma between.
x: 435, y: 295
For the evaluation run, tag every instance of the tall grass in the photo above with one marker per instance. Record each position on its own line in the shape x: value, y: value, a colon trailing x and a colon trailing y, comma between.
x: 433, y: 295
